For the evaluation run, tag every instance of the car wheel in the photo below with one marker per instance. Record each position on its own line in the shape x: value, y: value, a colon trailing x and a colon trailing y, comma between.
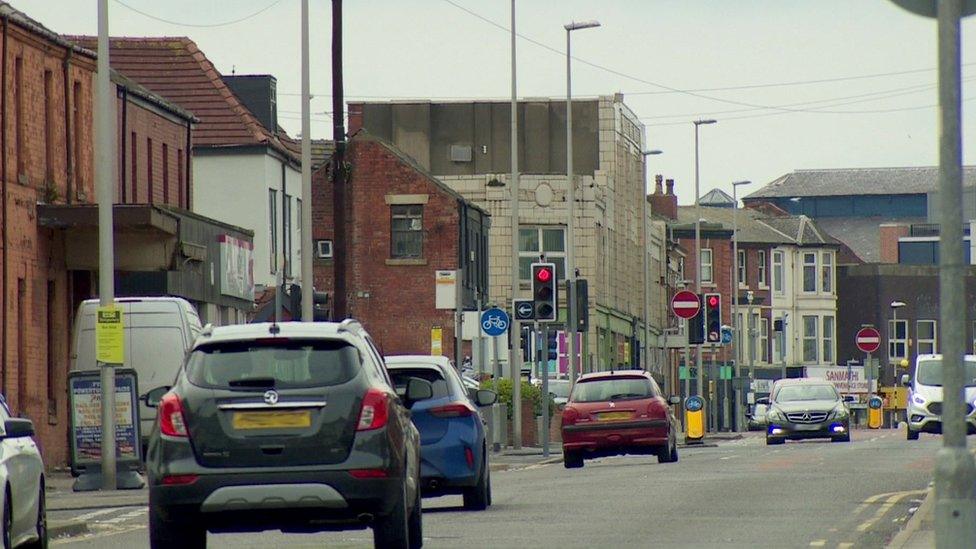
x: 667, y: 453
x: 8, y: 522
x: 478, y: 497
x: 391, y: 531
x: 165, y: 533
x: 842, y: 438
x: 416, y: 525
x: 41, y: 526
x: 773, y: 441
x: 572, y: 460
x: 910, y: 434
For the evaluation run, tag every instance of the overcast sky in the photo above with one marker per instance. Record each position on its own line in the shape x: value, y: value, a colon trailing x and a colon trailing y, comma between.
x: 646, y: 49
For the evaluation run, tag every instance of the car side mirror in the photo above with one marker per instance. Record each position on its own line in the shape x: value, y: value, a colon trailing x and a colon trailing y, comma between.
x: 152, y: 398
x: 418, y: 389
x: 674, y: 399
x: 18, y: 428
x: 763, y: 400
x: 484, y: 397
x: 906, y: 380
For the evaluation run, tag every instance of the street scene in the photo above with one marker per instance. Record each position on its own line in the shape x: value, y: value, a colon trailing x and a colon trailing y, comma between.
x: 460, y: 273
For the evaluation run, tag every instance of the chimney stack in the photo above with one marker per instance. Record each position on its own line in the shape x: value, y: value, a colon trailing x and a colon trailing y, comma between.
x: 670, y: 184
x: 665, y: 204
x: 657, y: 184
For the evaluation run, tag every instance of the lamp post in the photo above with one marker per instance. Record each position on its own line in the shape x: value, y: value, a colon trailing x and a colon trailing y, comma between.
x: 571, y: 200
x: 735, y: 291
x: 698, y: 265
x: 647, y: 275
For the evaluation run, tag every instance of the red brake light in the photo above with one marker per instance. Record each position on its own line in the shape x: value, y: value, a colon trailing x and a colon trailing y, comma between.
x: 174, y: 480
x: 374, y: 412
x: 469, y: 457
x: 453, y: 409
x: 570, y: 415
x: 368, y: 473
x: 171, y: 421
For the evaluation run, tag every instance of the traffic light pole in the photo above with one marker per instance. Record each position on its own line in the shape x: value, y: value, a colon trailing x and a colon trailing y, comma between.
x: 544, y: 367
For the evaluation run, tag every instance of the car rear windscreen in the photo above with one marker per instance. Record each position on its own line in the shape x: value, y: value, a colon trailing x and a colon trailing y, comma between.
x: 598, y: 390
x: 401, y: 376
x: 280, y: 363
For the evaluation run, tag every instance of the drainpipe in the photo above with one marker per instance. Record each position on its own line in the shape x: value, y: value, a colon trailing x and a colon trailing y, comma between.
x: 69, y: 168
x: 3, y: 204
x: 122, y: 157
x: 186, y: 170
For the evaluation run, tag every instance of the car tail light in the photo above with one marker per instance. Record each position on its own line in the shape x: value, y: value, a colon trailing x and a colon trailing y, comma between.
x: 368, y: 473
x: 655, y: 409
x: 375, y: 410
x: 570, y: 415
x: 469, y: 457
x: 179, y: 480
x: 171, y: 420
x: 453, y: 409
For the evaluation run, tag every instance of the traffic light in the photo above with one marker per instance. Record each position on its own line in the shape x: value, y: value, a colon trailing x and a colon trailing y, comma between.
x: 544, y: 292
x: 525, y: 342
x: 552, y: 345
x: 696, y: 325
x: 713, y: 318
x: 582, y: 289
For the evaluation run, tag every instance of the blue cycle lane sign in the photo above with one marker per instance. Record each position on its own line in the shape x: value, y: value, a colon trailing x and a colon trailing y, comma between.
x: 494, y: 322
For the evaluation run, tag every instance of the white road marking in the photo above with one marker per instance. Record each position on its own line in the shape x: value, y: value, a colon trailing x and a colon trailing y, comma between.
x: 100, y: 512
x: 818, y: 543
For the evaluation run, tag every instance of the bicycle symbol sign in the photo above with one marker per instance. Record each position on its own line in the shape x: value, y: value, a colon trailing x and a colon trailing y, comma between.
x: 494, y: 322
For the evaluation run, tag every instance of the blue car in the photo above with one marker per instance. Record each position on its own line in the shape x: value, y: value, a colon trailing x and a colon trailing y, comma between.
x: 453, y: 449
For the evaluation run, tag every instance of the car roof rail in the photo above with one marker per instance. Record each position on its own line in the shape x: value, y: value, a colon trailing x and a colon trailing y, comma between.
x: 350, y: 325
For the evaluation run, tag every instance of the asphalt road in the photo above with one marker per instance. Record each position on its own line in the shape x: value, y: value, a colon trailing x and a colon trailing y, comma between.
x: 739, y: 494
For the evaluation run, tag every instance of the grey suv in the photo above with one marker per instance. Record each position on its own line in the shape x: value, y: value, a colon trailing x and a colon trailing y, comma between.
x: 291, y: 426
x: 806, y: 408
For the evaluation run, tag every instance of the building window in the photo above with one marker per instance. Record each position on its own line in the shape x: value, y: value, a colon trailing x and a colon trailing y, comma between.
x: 179, y: 179
x: 19, y: 114
x: 778, y: 272
x: 52, y: 359
x: 77, y: 133
x: 298, y: 214
x: 135, y: 169
x: 742, y: 267
x: 49, y: 127
x: 764, y: 340
x: 827, y: 273
x: 165, y: 173
x: 810, y: 339
x: 149, y: 170
x: 273, y: 229
x: 407, y: 231
x: 754, y: 334
x: 925, y: 337
x: 537, y: 241
x: 809, y: 272
x: 828, y: 340
x: 897, y: 339
x: 761, y: 264
x: 286, y: 231
x: 681, y: 268
x: 740, y: 329
x: 706, y: 265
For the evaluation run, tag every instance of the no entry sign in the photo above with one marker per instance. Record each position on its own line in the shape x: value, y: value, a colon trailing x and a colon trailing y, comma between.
x: 868, y: 340
x: 685, y: 304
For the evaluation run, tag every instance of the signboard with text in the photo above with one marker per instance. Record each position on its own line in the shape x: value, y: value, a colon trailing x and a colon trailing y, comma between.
x: 109, y: 335
x: 236, y: 267
x: 85, y: 401
x: 848, y: 380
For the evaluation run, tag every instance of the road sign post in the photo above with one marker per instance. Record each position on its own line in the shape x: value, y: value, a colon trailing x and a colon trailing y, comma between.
x: 868, y: 340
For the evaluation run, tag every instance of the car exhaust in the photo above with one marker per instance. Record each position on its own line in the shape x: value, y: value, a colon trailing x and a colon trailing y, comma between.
x: 365, y: 518
x: 433, y: 485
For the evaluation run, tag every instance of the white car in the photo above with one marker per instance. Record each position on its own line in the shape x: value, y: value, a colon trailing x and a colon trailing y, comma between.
x: 22, y: 479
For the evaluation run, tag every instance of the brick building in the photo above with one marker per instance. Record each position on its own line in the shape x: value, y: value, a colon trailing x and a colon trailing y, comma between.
x: 403, y: 225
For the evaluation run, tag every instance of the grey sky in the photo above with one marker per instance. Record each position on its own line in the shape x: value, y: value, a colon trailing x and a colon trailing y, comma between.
x: 434, y: 49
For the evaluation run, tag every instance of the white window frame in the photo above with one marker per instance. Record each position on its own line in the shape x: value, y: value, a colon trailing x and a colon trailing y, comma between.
x: 761, y: 265
x: 710, y: 279
x: 927, y: 346
x: 779, y: 273
x: 764, y: 340
x: 743, y: 272
x: 815, y: 338
x: 803, y: 273
x: 827, y: 349
x: 534, y: 254
x: 896, y: 344
x: 827, y: 272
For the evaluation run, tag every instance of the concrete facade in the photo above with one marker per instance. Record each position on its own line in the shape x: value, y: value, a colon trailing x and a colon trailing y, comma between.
x: 607, y: 145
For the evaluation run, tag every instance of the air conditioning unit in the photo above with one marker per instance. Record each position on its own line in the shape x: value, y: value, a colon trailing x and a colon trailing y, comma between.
x: 323, y: 249
x: 460, y: 153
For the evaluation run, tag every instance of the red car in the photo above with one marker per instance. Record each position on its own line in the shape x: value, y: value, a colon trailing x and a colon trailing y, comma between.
x: 622, y: 412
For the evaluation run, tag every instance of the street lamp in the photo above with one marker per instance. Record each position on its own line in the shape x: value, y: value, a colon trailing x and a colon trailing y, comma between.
x: 647, y: 281
x: 698, y: 270
x: 571, y: 199
x: 735, y: 290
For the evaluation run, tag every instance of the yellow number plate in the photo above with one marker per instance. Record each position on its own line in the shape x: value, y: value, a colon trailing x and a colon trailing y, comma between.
x: 614, y: 416
x: 272, y: 420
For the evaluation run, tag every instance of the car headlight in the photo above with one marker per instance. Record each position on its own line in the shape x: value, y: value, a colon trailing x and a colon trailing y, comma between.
x: 840, y: 412
x: 775, y: 415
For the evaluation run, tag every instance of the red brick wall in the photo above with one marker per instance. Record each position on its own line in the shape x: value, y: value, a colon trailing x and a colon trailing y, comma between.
x: 322, y: 227
x: 38, y: 171
x: 399, y: 310
x: 146, y: 124
x: 889, y: 234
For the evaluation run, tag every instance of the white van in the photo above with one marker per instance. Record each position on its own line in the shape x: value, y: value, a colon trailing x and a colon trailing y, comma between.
x: 925, y: 395
x: 158, y: 332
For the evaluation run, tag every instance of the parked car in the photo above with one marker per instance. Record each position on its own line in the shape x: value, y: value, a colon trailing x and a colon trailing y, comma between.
x: 21, y: 484
x: 802, y: 408
x: 619, y: 412
x: 158, y: 333
x: 925, y: 395
x: 454, y: 449
x: 757, y: 419
x: 559, y: 389
x: 291, y: 426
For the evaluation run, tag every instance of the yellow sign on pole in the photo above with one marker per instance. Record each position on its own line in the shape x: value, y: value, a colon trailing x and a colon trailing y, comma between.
x: 109, y: 336
x: 436, y: 341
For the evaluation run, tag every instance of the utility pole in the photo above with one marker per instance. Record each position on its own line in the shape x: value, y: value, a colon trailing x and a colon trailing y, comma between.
x: 515, y: 350
x: 339, y: 302
x: 105, y: 178
x: 308, y: 288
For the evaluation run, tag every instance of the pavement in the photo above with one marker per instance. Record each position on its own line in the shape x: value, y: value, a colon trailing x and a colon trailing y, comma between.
x: 919, y: 531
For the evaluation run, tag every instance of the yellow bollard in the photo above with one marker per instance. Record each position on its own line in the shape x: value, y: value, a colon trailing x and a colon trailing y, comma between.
x: 874, y: 412
x: 694, y: 419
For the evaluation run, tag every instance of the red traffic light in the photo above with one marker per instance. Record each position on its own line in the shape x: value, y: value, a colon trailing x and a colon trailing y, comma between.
x: 712, y: 300
x: 543, y: 275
